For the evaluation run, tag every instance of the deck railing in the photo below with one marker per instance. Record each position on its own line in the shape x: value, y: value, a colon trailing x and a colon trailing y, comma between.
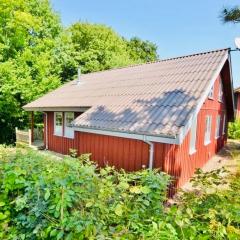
x: 25, y: 136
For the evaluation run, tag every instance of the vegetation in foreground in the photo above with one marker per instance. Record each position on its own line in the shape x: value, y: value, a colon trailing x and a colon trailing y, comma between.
x: 45, y: 198
x: 234, y: 129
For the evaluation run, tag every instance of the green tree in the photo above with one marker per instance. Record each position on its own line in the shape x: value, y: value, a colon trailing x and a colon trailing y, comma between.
x: 146, y: 51
x: 28, y: 38
x: 98, y: 47
x: 231, y: 14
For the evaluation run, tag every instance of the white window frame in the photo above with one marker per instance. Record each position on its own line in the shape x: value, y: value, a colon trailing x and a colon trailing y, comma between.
x: 211, y: 93
x: 193, y: 137
x: 220, y: 91
x: 224, y: 124
x: 218, y: 124
x: 208, y: 128
x: 68, y: 130
x: 58, y: 129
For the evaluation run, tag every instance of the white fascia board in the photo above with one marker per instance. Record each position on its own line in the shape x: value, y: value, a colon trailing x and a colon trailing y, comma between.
x: 231, y: 77
x: 184, y: 130
x: 56, y: 109
x: 150, y: 138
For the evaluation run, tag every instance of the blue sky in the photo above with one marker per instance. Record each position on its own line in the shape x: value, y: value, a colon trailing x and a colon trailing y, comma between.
x: 177, y: 27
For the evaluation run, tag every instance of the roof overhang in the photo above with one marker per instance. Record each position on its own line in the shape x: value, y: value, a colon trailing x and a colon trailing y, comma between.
x: 137, y: 136
x: 56, y: 109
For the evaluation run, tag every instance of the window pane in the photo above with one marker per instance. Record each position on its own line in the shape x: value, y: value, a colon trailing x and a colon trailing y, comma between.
x: 68, y: 130
x: 69, y: 118
x: 210, y: 95
x: 207, y: 137
x: 58, y: 123
x: 58, y: 120
x: 224, y: 124
x: 193, y: 136
x: 217, y: 131
x: 220, y: 91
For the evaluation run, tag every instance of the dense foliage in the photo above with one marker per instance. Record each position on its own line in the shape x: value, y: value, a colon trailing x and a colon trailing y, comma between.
x: 212, y: 211
x: 37, y: 55
x: 43, y: 198
x: 234, y: 129
x: 98, y: 47
x: 47, y: 198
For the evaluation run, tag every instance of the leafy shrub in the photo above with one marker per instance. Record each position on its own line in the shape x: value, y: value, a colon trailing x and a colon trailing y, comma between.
x: 212, y: 211
x: 45, y: 198
x: 234, y: 130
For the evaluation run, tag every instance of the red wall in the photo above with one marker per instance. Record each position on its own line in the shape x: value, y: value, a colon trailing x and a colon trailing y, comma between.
x: 184, y: 163
x: 132, y: 154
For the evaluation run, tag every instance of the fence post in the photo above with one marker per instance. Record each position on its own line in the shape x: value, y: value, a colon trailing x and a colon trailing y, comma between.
x: 16, y: 132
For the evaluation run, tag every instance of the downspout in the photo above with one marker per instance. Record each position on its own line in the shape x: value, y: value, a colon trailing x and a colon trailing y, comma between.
x: 46, y: 127
x: 151, y: 153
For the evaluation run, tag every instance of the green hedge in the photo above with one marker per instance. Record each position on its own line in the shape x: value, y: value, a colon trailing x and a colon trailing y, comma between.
x: 44, y: 198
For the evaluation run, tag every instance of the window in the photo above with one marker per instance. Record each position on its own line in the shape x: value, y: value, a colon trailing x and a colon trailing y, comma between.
x: 68, y: 130
x: 224, y: 124
x: 220, y: 91
x: 58, y: 123
x: 192, y: 145
x: 217, y: 131
x: 207, y: 137
x: 211, y: 93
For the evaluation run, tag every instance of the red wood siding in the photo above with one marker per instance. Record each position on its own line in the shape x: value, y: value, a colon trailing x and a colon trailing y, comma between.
x: 183, y: 165
x: 133, y: 154
x: 124, y: 153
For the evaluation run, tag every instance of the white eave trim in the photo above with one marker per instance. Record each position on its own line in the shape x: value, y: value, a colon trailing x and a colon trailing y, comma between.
x: 56, y: 109
x: 143, y: 137
x: 184, y: 130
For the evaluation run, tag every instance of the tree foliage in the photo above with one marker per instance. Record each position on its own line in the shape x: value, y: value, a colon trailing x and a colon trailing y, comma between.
x: 142, y: 50
x: 231, y: 14
x: 28, y: 34
x: 98, y: 47
x: 37, y: 54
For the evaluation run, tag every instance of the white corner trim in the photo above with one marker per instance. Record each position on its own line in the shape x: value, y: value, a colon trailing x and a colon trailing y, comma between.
x: 184, y: 130
x: 159, y: 139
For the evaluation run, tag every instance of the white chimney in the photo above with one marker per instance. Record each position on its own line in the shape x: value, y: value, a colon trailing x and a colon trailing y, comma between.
x: 79, y: 76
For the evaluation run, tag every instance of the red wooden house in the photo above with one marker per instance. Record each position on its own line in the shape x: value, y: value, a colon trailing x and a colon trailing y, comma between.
x: 237, y: 102
x: 170, y: 114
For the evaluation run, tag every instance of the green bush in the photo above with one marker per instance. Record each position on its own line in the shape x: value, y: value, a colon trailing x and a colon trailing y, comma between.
x: 45, y: 198
x: 211, y: 211
x: 234, y: 130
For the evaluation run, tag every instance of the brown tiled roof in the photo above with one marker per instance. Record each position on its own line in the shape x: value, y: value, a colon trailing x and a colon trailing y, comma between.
x: 154, y: 99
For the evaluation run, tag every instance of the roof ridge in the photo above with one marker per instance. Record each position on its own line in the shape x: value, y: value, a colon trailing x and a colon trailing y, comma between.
x: 159, y: 60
